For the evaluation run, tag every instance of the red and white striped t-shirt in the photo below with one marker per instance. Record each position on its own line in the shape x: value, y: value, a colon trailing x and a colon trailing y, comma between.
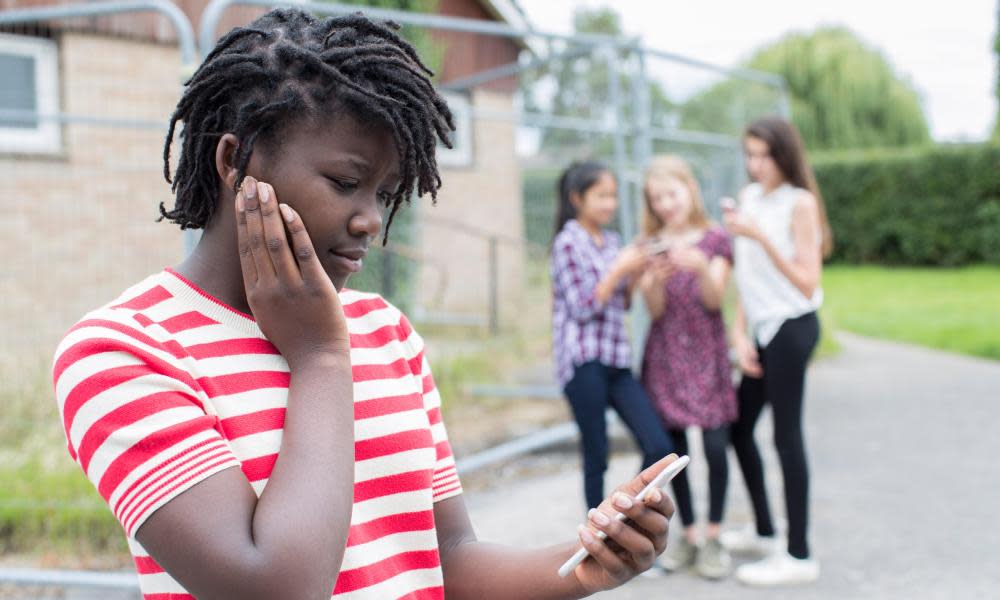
x: 167, y: 386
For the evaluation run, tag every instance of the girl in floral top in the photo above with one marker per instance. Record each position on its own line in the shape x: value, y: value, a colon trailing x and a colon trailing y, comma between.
x: 685, y: 367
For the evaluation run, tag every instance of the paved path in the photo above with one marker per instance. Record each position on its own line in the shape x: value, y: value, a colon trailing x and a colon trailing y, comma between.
x: 903, y: 444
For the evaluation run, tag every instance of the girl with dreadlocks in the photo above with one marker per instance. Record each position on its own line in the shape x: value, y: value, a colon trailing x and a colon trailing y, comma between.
x: 259, y: 430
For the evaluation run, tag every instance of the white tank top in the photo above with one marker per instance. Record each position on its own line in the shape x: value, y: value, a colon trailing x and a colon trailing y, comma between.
x: 767, y: 296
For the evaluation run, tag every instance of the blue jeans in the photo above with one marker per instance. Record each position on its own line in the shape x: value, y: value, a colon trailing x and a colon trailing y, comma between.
x: 594, y: 387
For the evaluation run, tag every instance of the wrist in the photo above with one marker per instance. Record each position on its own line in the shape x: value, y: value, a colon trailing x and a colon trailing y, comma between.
x: 320, y: 360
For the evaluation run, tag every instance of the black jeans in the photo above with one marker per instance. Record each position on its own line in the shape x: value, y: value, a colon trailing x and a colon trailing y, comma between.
x: 784, y: 361
x: 716, y: 442
x: 593, y: 388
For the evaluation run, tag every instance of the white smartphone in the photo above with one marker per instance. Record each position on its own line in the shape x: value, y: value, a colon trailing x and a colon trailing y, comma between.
x: 660, y: 481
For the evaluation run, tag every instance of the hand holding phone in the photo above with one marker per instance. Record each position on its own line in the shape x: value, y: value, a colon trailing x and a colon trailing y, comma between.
x: 668, y: 473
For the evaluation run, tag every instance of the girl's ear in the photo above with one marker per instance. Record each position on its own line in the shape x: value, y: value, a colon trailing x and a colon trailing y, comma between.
x: 225, y: 160
x: 576, y: 200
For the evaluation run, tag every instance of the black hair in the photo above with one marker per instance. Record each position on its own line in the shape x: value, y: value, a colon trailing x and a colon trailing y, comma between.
x: 286, y: 66
x: 576, y: 179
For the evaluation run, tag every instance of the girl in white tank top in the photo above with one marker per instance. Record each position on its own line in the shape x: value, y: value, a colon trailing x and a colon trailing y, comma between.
x: 768, y: 297
x: 781, y: 238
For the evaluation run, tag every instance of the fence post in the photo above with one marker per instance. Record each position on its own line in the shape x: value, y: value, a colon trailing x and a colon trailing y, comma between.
x: 626, y: 217
x: 388, y: 274
x: 642, y: 150
x: 494, y: 275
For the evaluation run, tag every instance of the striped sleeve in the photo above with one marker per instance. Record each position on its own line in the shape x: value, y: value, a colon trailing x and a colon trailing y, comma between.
x: 132, y: 417
x: 445, y: 483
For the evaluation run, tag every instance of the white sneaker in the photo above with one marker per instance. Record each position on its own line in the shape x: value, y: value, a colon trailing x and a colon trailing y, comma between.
x: 780, y: 568
x: 746, y: 541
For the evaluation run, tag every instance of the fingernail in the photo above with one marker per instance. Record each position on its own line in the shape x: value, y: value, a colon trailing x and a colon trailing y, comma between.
x: 286, y: 212
x: 265, y: 194
x: 249, y: 187
x: 598, y: 517
x: 655, y: 496
x: 622, y: 501
x: 586, y: 536
x: 239, y: 201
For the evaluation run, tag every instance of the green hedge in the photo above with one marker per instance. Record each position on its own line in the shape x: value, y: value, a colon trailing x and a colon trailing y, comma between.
x: 926, y: 206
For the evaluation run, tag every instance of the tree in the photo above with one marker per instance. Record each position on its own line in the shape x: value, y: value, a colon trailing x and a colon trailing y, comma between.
x: 843, y: 94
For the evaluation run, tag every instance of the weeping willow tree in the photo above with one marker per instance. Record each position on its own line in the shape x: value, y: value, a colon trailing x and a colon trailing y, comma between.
x: 843, y: 94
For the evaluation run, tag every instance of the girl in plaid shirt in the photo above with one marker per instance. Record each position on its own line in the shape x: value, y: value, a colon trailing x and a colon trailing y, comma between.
x: 592, y: 280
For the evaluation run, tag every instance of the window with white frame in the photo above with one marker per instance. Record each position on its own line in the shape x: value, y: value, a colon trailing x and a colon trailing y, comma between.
x: 460, y: 154
x: 29, y: 96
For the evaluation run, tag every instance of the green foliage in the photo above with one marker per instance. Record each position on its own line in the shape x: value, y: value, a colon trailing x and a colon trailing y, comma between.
x: 949, y: 309
x: 539, y: 197
x: 55, y: 510
x: 927, y: 206
x: 843, y: 94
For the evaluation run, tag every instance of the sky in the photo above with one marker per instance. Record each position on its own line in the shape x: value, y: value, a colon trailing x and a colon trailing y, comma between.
x: 945, y: 49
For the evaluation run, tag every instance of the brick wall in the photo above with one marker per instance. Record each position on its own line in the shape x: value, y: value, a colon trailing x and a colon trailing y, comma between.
x: 81, y: 226
x: 486, y: 197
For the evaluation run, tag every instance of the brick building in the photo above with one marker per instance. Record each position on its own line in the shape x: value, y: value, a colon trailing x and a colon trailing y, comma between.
x: 81, y: 194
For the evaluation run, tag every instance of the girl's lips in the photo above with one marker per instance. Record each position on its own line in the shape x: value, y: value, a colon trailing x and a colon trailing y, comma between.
x: 348, y: 263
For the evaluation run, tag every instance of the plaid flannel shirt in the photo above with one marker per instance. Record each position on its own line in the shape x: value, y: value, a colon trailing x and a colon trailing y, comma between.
x: 582, y: 329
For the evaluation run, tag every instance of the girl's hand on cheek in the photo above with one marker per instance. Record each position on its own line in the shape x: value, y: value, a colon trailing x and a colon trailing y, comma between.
x: 295, y: 303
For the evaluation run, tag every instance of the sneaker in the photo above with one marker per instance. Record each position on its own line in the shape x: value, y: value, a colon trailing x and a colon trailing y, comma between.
x: 747, y: 541
x: 713, y: 560
x: 680, y: 555
x: 780, y: 568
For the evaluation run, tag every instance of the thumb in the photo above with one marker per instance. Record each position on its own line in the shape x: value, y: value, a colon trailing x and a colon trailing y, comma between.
x: 648, y: 474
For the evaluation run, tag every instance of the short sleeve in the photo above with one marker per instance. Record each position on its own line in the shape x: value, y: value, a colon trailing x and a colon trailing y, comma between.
x: 722, y: 244
x: 445, y: 482
x: 132, y: 418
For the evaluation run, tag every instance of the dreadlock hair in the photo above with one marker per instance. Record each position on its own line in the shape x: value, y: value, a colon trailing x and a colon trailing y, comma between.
x: 285, y: 66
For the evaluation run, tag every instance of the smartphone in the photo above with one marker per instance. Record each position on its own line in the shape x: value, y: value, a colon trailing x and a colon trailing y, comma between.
x: 660, y: 481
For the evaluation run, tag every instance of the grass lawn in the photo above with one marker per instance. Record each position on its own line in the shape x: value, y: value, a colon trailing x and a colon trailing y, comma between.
x: 949, y: 309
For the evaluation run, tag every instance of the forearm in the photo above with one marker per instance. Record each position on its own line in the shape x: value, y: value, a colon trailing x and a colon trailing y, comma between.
x: 607, y: 286
x: 478, y: 570
x: 712, y: 290
x: 738, y: 332
x: 655, y: 296
x: 804, y: 280
x: 304, y: 512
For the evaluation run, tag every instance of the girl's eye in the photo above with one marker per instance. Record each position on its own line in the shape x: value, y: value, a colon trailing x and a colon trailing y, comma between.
x: 344, y: 185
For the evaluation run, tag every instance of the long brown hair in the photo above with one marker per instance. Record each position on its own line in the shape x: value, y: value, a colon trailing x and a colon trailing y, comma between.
x: 786, y: 148
x: 669, y: 166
